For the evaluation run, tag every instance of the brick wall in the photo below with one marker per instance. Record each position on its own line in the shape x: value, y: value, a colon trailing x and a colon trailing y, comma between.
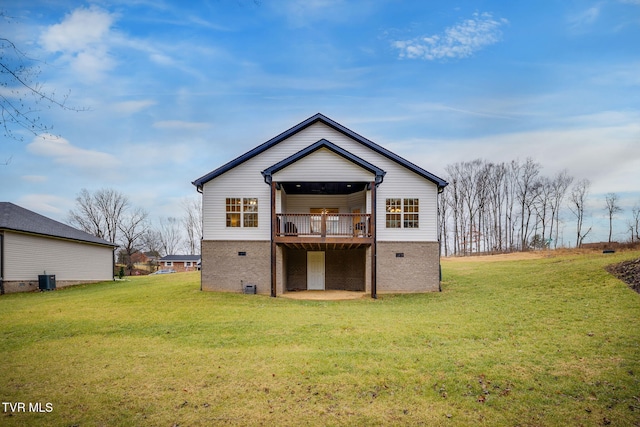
x: 178, y: 266
x: 417, y: 270
x: 226, y: 263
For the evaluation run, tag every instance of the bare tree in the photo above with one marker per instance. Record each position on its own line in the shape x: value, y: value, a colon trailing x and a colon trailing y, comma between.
x: 132, y: 227
x: 577, y: 202
x: 528, y: 187
x: 87, y: 216
x: 635, y: 223
x: 151, y: 241
x: 612, y: 208
x: 22, y: 96
x: 542, y: 207
x: 170, y: 235
x: 560, y: 184
x: 99, y: 213
x: 192, y: 221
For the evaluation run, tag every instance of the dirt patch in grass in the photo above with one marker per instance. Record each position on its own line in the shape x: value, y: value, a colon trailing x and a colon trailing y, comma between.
x: 514, y: 256
x: 523, y: 256
x: 628, y: 272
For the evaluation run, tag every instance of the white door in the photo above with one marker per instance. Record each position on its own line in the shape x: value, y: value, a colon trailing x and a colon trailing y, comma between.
x: 315, y: 271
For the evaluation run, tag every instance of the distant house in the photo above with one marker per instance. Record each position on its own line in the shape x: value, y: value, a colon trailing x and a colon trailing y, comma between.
x: 33, y: 245
x: 320, y: 207
x: 180, y: 263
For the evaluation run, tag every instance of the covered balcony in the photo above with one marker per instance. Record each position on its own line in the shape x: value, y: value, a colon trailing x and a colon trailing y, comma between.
x: 318, y: 216
x: 339, y: 230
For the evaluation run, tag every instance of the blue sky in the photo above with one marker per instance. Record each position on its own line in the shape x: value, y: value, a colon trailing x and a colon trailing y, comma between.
x: 174, y: 89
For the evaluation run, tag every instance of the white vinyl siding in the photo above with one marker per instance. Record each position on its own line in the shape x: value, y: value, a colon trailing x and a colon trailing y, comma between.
x: 245, y: 180
x: 323, y: 165
x: 27, y: 256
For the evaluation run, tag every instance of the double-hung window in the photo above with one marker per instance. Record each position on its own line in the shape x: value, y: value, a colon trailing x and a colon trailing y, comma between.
x: 402, y: 213
x: 241, y: 212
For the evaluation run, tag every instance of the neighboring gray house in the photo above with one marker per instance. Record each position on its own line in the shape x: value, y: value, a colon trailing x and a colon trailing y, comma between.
x: 320, y: 207
x: 33, y: 245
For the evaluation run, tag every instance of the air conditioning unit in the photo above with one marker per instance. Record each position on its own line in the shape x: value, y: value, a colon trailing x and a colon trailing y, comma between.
x: 47, y: 282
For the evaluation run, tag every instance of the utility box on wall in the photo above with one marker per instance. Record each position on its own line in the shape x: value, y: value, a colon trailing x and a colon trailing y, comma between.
x: 47, y: 282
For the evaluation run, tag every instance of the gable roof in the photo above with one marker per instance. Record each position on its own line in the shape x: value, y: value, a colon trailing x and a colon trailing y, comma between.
x: 16, y: 218
x: 180, y: 258
x: 305, y: 124
x: 323, y: 143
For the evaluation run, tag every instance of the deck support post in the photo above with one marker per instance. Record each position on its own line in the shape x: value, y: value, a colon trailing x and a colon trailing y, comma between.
x: 374, y: 290
x: 274, y: 225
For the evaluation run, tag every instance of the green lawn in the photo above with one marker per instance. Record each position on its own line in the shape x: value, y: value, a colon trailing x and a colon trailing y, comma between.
x: 546, y: 342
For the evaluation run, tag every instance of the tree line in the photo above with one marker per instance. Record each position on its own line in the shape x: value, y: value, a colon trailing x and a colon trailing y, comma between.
x: 511, y: 206
x: 110, y: 215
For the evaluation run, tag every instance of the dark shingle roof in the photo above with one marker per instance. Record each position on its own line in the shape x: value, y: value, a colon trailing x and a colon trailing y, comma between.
x: 180, y: 258
x: 441, y: 183
x: 16, y: 218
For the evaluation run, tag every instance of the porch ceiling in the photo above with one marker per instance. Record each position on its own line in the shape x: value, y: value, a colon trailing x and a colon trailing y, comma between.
x: 323, y: 187
x: 318, y: 246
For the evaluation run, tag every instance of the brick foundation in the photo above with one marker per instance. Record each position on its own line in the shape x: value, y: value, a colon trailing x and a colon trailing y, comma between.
x: 223, y: 269
x: 228, y: 264
x: 13, y: 286
x: 417, y: 270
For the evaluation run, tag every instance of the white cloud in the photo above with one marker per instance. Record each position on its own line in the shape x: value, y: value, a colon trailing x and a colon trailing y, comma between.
x: 300, y: 12
x: 180, y: 125
x: 607, y: 154
x: 132, y: 107
x: 82, y: 38
x: 585, y: 17
x: 34, y: 178
x: 45, y: 204
x: 460, y: 41
x: 63, y: 152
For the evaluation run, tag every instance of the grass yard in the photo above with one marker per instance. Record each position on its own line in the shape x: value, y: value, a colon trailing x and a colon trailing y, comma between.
x: 535, y: 342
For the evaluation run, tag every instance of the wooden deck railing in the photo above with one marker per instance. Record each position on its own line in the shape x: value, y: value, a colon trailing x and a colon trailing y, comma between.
x: 323, y: 225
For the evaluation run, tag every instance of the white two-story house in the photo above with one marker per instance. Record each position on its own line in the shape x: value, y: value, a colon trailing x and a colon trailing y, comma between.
x: 320, y: 207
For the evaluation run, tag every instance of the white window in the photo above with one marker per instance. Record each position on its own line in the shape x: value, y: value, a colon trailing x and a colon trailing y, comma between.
x: 168, y: 263
x: 402, y: 213
x: 241, y: 212
x: 187, y: 263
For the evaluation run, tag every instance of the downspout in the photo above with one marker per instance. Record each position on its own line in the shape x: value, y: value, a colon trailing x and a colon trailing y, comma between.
x: 374, y: 246
x: 438, y: 225
x: 199, y: 190
x: 273, y: 241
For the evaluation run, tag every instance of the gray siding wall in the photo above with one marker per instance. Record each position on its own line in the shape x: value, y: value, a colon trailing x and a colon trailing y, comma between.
x: 27, y: 256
